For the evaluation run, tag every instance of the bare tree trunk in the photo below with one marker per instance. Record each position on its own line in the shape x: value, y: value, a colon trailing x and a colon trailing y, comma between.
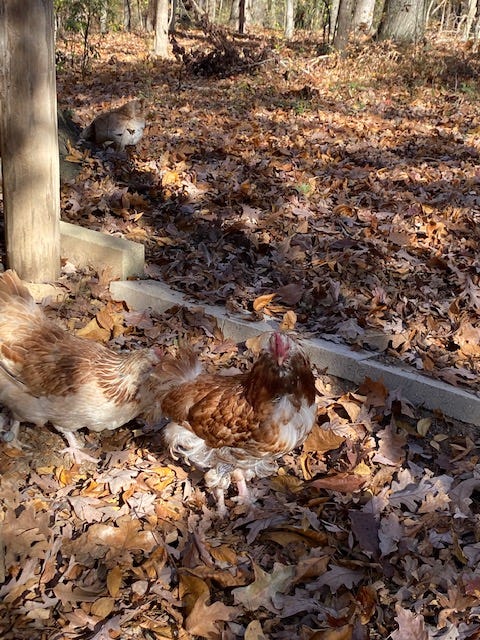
x: 363, y: 16
x: 471, y: 15
x: 403, y: 21
x: 269, y: 20
x: 344, y: 24
x: 334, y: 17
x: 103, y: 20
x: 127, y: 15
x: 28, y: 137
x: 234, y: 14
x: 161, y: 44
x: 211, y: 10
x: 150, y: 26
x: 289, y: 19
x: 241, y: 16
x: 172, y: 25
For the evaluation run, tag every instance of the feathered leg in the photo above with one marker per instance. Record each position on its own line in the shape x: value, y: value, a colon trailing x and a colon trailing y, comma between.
x: 244, y: 496
x: 218, y: 481
x: 220, y: 499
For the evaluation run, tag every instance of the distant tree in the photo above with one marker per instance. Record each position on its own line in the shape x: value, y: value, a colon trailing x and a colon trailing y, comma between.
x: 289, y: 19
x: 127, y: 15
x: 172, y: 25
x: 240, y: 14
x: 403, y: 21
x: 83, y: 17
x: 472, y: 18
x: 344, y: 24
x: 335, y: 6
x: 363, y: 16
x: 161, y: 47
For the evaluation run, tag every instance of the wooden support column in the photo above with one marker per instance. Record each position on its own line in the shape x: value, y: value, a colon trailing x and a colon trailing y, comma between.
x: 28, y: 138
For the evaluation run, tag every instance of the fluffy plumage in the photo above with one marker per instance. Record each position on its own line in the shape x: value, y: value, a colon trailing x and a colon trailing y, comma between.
x: 236, y: 427
x: 50, y: 375
x: 121, y: 127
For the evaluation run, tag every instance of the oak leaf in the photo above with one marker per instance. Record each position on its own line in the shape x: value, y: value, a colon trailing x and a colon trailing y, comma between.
x: 262, y: 591
x: 411, y: 626
x: 203, y: 619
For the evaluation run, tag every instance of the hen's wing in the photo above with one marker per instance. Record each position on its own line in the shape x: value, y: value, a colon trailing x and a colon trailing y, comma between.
x: 214, y: 408
x: 236, y: 427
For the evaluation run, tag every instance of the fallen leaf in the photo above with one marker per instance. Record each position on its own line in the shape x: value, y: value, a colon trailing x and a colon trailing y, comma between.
x: 262, y: 591
x: 322, y: 440
x: 411, y: 626
x: 103, y: 607
x: 114, y: 581
x: 254, y: 631
x: 289, y: 321
x: 342, y: 482
x: 93, y: 331
x: 262, y: 301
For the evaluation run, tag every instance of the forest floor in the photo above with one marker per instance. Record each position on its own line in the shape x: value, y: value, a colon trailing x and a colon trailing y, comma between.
x: 346, y: 191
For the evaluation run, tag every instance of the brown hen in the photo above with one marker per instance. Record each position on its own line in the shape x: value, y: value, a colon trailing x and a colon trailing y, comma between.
x: 120, y: 127
x: 49, y: 375
x: 236, y: 427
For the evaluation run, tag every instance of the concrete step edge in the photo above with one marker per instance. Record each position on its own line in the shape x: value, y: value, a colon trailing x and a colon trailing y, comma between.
x: 338, y: 359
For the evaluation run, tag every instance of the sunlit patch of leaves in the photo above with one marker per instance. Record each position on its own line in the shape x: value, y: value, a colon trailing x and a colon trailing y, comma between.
x: 367, y: 530
x: 134, y: 544
x: 334, y: 179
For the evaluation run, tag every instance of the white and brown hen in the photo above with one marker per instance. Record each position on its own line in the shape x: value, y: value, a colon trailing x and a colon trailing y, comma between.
x: 236, y: 427
x: 48, y: 375
x: 120, y: 127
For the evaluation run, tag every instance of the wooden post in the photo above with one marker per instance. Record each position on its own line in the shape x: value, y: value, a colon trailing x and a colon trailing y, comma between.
x: 28, y: 138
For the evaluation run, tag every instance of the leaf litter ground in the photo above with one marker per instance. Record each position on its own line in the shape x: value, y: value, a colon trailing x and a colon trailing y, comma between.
x: 369, y: 531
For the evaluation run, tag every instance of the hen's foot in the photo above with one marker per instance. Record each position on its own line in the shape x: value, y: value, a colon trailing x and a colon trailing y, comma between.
x: 76, y: 453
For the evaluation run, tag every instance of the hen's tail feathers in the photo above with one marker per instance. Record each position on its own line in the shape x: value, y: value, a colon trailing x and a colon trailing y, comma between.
x: 183, y: 368
x: 12, y: 287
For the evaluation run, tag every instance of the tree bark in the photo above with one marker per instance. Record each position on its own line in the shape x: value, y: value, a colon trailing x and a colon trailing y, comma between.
x: 127, y: 15
x: 172, y: 25
x: 28, y: 138
x: 161, y: 46
x: 363, y: 16
x: 470, y: 20
x: 344, y: 24
x: 403, y: 21
x: 289, y: 19
x: 241, y: 16
x: 333, y: 18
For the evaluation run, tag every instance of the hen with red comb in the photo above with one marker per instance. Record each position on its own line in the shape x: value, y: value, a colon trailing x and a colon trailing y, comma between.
x: 236, y: 427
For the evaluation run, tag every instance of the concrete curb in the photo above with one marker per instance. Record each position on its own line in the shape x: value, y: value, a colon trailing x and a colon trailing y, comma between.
x: 340, y: 360
x: 85, y: 247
